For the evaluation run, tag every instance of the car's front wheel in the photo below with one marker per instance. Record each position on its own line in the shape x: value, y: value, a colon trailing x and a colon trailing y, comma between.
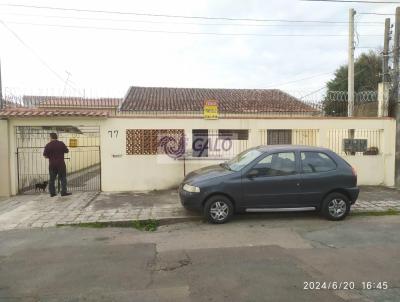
x: 218, y: 209
x: 335, y: 206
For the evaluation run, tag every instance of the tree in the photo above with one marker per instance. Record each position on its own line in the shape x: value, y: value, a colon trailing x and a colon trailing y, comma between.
x: 367, y: 75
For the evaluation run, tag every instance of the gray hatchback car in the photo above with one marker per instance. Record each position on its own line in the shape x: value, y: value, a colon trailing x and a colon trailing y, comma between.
x: 278, y: 178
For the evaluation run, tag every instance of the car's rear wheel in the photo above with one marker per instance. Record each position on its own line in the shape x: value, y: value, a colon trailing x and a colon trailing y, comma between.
x: 335, y: 206
x: 218, y: 209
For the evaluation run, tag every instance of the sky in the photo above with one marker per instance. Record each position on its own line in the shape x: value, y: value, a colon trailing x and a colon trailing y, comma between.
x: 65, y: 52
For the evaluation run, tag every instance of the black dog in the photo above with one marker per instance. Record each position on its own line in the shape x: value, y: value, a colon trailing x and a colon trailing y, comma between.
x: 41, y: 186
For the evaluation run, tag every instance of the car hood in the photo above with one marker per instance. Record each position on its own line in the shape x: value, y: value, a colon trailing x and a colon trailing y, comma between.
x: 206, y: 173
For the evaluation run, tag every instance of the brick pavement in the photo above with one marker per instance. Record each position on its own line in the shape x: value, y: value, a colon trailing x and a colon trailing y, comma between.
x: 39, y: 211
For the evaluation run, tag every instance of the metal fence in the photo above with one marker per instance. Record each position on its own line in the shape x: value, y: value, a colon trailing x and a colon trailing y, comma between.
x: 82, y: 162
x: 260, y: 103
x: 341, y: 141
x: 368, y: 141
x: 306, y: 137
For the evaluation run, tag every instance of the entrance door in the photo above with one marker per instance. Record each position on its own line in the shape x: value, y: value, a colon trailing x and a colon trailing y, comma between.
x: 82, y: 162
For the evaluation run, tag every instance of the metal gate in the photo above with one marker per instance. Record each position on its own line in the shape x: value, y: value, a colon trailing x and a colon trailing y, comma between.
x: 83, y: 160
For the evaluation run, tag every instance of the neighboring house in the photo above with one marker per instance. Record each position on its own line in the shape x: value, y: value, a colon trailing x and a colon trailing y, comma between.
x: 41, y: 103
x: 153, y: 136
x: 62, y: 102
x: 30, y: 105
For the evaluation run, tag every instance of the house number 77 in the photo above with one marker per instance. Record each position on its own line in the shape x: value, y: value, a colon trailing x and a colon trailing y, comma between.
x: 113, y: 133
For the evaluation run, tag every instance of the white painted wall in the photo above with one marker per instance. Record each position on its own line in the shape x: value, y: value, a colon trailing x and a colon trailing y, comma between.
x: 122, y: 172
x: 4, y: 159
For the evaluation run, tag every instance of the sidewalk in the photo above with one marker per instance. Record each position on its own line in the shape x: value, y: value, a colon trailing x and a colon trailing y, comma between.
x: 37, y: 211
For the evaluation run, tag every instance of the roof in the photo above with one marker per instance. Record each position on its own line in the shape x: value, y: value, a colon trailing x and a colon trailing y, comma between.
x: 70, y: 102
x: 38, y: 112
x: 229, y: 100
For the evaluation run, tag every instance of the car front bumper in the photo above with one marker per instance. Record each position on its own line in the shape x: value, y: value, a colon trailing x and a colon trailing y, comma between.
x: 190, y: 201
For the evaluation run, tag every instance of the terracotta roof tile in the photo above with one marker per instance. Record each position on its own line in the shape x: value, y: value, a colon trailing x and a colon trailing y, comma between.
x: 69, y: 102
x: 229, y: 100
x: 35, y: 112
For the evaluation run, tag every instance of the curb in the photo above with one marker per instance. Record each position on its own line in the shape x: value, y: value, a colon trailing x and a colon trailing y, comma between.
x: 130, y: 222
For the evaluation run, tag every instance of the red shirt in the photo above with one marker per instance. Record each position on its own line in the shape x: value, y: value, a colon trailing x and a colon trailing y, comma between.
x: 54, y: 151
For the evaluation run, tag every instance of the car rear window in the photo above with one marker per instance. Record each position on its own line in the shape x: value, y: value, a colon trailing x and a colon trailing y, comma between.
x: 314, y: 162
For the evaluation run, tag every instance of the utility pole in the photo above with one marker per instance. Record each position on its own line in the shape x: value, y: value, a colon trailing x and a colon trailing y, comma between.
x: 350, y: 75
x: 385, y: 61
x: 350, y: 80
x: 396, y: 45
x: 383, y: 87
x: 1, y: 91
x: 395, y: 97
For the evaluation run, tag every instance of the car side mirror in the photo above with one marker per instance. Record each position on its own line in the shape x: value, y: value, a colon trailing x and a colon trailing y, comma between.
x: 252, y: 173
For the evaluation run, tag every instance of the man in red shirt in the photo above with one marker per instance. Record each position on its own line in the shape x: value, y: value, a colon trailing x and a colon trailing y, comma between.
x: 54, y: 151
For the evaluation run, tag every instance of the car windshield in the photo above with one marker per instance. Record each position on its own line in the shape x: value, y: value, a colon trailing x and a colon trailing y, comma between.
x: 243, y: 159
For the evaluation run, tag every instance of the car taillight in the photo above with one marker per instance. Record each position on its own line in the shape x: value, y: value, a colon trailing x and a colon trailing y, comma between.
x: 354, y: 171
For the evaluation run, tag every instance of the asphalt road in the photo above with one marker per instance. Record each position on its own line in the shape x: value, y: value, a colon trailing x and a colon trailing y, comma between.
x: 252, y: 258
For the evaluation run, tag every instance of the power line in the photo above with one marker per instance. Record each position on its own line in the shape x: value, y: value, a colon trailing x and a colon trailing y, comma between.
x: 355, y: 1
x: 377, y: 14
x: 368, y: 47
x: 325, y: 87
x: 185, y: 32
x: 173, y: 16
x: 178, y: 23
x: 312, y: 92
x: 34, y: 52
x: 300, y: 80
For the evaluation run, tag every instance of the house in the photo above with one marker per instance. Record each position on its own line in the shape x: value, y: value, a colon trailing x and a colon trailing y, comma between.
x: 33, y: 105
x: 231, y: 102
x: 71, y: 102
x: 154, y: 136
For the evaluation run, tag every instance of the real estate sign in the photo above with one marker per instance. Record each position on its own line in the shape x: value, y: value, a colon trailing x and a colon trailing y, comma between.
x: 210, y: 110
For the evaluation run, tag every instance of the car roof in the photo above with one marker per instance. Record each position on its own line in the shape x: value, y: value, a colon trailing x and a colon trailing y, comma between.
x: 272, y: 148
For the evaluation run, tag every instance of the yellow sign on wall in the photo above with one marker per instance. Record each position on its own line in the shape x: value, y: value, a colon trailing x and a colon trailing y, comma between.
x: 73, y: 142
x: 210, y: 110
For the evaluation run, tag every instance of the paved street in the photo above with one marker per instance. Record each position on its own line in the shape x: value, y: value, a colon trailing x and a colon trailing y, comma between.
x: 38, y: 211
x: 249, y: 259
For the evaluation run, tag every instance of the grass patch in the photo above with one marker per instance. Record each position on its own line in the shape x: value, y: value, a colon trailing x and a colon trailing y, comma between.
x: 377, y: 213
x: 150, y: 225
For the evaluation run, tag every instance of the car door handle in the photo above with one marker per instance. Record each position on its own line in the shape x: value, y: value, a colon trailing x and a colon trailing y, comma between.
x: 298, y: 184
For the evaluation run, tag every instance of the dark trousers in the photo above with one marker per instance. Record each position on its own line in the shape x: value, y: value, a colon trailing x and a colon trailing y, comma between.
x: 62, y: 176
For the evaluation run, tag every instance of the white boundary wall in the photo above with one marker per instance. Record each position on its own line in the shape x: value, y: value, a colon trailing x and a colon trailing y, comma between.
x: 147, y: 172
x: 122, y: 172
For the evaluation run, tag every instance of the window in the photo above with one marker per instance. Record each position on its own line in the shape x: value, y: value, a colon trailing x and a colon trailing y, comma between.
x: 314, y: 162
x: 243, y: 159
x: 279, y: 137
x: 200, y: 142
x: 233, y: 134
x: 154, y: 141
x: 277, y: 164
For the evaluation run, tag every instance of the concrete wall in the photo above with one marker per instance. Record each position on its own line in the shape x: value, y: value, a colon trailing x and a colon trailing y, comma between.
x: 5, y: 189
x: 147, y: 172
x: 122, y: 172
